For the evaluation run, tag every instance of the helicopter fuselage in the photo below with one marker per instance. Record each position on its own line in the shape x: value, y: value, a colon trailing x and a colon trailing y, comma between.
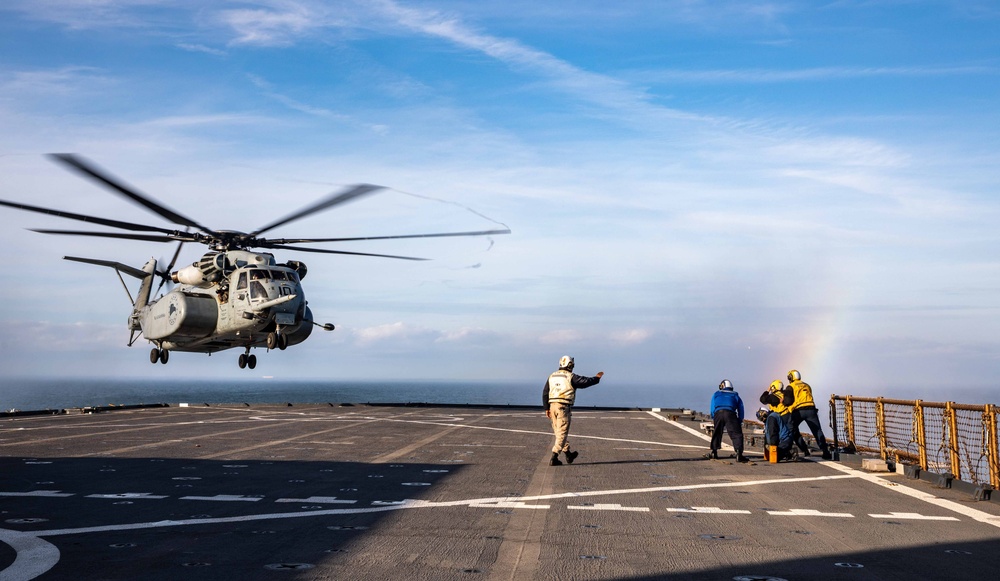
x: 239, y: 299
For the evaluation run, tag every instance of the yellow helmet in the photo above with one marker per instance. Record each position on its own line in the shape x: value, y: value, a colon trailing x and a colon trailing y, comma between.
x: 776, y: 385
x: 794, y: 375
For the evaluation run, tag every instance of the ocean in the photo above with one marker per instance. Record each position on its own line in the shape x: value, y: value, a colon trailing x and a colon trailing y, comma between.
x: 39, y: 394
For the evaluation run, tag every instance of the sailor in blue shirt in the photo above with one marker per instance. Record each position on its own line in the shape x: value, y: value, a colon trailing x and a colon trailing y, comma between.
x: 727, y: 413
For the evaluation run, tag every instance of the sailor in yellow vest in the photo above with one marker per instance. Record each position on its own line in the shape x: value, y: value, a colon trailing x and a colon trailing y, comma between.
x: 558, y: 395
x: 774, y: 397
x: 803, y: 409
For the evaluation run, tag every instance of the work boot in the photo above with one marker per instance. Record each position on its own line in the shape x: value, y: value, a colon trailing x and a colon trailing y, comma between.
x: 826, y: 454
x: 570, y: 456
x: 712, y: 455
x: 741, y: 459
x: 554, y: 461
x: 806, y: 453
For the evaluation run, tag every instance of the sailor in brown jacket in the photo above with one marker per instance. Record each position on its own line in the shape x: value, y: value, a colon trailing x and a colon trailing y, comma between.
x: 558, y: 395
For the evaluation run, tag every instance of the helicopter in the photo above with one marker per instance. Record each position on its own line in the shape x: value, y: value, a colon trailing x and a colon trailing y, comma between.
x: 235, y: 295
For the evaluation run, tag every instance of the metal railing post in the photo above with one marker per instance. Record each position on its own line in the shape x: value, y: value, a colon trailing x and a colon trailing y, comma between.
x: 956, y: 461
x: 849, y: 419
x: 833, y: 425
x: 880, y: 428
x: 918, y: 418
x: 993, y: 449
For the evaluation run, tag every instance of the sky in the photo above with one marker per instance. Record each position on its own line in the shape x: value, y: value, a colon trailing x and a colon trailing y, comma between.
x: 695, y: 190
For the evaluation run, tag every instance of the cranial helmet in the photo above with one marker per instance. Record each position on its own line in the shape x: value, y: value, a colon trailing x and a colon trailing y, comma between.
x: 776, y: 385
x: 794, y: 375
x: 726, y: 384
x: 566, y: 362
x: 762, y: 414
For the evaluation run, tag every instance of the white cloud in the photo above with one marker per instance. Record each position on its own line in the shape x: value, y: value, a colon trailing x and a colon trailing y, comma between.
x: 201, y: 48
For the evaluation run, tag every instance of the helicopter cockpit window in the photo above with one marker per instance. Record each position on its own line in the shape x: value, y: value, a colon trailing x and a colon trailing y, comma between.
x: 242, y: 284
x: 259, y: 275
x: 278, y: 275
x: 257, y: 290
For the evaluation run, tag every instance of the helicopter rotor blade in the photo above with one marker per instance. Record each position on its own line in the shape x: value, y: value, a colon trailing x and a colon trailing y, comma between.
x: 434, y: 235
x: 85, y: 218
x: 174, y: 237
x: 83, y: 167
x: 347, y: 195
x: 325, y: 251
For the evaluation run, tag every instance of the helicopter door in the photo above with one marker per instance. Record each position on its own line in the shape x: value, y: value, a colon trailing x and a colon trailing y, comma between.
x: 241, y: 287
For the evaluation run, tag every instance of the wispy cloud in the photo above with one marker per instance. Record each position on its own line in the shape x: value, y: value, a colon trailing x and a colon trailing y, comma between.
x: 268, y: 90
x: 749, y: 76
x: 201, y: 48
x: 277, y: 26
x: 59, y: 81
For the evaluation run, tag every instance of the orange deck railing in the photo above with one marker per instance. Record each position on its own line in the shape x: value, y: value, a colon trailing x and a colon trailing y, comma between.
x: 940, y: 437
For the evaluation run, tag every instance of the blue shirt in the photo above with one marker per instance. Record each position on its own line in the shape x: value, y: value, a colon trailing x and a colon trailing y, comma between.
x: 724, y: 399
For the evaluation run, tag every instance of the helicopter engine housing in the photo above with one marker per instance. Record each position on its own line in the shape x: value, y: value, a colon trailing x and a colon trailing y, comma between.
x: 209, y: 270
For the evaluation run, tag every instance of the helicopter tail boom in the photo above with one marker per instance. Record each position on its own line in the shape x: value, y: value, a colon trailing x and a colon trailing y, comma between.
x: 142, y: 299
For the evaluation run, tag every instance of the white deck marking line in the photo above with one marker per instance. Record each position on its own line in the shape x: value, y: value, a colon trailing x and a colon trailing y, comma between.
x: 411, y: 503
x: 970, y: 512
x: 318, y: 500
x: 610, y: 507
x: 808, y: 512
x: 33, y: 558
x: 224, y: 498
x: 43, y: 493
x: 708, y: 510
x: 546, y: 433
x: 911, y: 516
x: 689, y: 430
x: 128, y: 495
x: 507, y: 505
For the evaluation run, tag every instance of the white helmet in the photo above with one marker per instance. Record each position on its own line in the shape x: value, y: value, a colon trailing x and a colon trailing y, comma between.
x: 726, y: 384
x: 794, y: 375
x: 566, y: 362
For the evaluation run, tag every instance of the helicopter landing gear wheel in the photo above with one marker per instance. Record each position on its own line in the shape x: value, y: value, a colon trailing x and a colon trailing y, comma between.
x: 272, y: 340
x: 243, y: 361
x: 164, y: 356
x: 251, y: 361
x: 282, y: 341
x: 154, y: 355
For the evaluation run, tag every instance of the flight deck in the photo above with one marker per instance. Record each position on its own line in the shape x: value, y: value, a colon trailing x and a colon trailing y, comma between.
x: 337, y: 491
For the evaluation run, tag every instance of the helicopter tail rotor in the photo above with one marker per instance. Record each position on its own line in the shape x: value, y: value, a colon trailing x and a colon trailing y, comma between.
x: 165, y: 273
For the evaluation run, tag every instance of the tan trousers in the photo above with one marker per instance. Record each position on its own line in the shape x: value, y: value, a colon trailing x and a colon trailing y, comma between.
x: 560, y: 426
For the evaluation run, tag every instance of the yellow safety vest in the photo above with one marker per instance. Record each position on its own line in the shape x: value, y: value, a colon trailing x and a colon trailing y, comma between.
x: 803, y: 395
x: 778, y: 408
